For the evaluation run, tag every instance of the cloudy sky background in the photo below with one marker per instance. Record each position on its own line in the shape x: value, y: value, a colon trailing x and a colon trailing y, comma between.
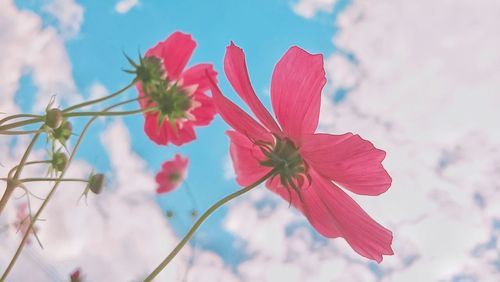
x: 418, y: 78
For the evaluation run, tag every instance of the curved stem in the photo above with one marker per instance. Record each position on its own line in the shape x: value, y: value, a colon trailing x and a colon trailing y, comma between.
x: 21, y: 123
x: 49, y: 195
x: 27, y: 163
x: 18, y: 116
x: 88, y: 103
x: 202, y: 218
x: 124, y: 113
x: 10, y: 188
x: 25, y: 180
x: 19, y: 132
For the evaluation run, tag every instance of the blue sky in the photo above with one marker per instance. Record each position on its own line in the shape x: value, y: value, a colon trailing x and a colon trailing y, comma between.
x: 264, y: 29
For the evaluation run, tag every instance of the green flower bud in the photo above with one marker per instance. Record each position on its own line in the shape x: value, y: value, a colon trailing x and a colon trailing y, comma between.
x: 96, y: 183
x: 59, y: 161
x: 169, y: 214
x: 63, y: 132
x: 54, y: 118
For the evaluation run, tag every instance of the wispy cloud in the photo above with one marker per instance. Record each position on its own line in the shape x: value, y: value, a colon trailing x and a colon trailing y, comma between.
x: 309, y: 8
x: 124, y: 6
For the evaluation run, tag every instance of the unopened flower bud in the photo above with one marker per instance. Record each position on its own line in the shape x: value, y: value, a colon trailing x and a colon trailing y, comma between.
x: 194, y: 213
x: 54, y: 118
x: 63, y: 132
x: 96, y: 183
x: 59, y: 161
x: 169, y: 214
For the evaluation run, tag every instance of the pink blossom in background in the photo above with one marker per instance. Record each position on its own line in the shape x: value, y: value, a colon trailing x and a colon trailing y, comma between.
x: 23, y: 221
x: 172, y: 174
x: 76, y: 275
x: 179, y: 93
x: 306, y: 162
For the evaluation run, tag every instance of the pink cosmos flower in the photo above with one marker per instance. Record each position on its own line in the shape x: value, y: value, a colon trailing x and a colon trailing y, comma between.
x: 179, y: 94
x: 76, y: 275
x: 172, y: 174
x: 309, y: 167
x: 23, y: 221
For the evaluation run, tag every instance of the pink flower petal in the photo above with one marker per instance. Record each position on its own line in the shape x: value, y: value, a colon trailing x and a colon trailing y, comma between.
x: 333, y: 213
x: 176, y: 166
x: 236, y: 71
x: 296, y: 86
x: 164, y: 134
x: 238, y: 119
x: 246, y: 157
x: 348, y: 160
x: 175, y: 52
x: 197, y: 75
x: 204, y: 114
x: 312, y: 207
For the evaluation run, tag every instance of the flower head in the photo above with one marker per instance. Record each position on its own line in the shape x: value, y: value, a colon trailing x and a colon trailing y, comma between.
x: 177, y: 95
x: 308, y: 167
x: 172, y: 174
x: 23, y: 221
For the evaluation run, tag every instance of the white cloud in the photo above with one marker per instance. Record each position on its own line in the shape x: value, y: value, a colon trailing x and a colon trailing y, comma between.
x: 124, y: 6
x: 69, y: 16
x: 28, y: 48
x: 309, y: 8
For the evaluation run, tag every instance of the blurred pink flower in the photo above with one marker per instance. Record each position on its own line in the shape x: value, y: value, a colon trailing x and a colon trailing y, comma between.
x: 179, y: 94
x: 23, y: 221
x: 76, y: 275
x: 306, y: 162
x: 172, y: 174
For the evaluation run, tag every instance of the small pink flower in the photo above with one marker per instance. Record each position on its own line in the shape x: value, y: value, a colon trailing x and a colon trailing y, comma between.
x: 76, y: 275
x: 23, y: 221
x: 179, y: 94
x: 172, y: 174
x: 309, y: 167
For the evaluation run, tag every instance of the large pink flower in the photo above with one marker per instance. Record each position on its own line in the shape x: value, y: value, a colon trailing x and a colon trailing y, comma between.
x: 172, y: 174
x: 179, y: 94
x: 309, y: 167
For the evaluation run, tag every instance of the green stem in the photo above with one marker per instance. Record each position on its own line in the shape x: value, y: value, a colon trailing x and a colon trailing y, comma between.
x: 88, y: 103
x: 19, y: 132
x: 49, y: 195
x: 19, y: 116
x: 27, y: 163
x: 125, y: 113
x: 25, y: 180
x: 10, y: 188
x: 202, y: 218
x: 21, y: 123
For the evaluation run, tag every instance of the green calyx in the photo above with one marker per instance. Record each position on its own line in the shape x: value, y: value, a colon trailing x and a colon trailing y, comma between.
x: 63, y: 133
x: 59, y: 161
x: 285, y: 158
x: 172, y: 101
x: 96, y: 183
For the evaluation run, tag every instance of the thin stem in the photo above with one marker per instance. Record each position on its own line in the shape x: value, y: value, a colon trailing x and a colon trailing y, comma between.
x: 10, y: 188
x: 88, y: 103
x: 19, y: 132
x: 21, y: 123
x: 202, y: 218
x: 191, y: 196
x: 49, y: 196
x: 25, y: 180
x: 124, y: 113
x: 18, y: 116
x: 27, y: 163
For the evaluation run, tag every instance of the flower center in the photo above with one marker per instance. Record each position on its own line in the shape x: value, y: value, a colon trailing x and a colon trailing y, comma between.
x: 285, y: 158
x: 174, y: 176
x: 173, y: 102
